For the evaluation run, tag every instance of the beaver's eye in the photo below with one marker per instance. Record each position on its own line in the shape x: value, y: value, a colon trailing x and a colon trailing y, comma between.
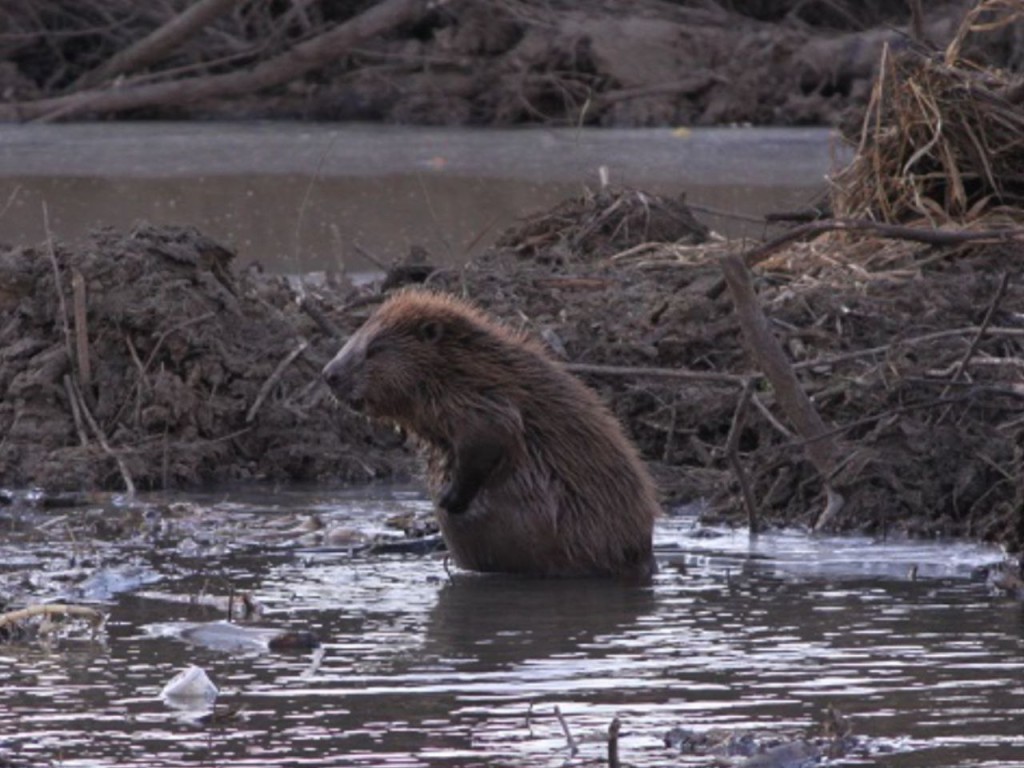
x: 373, y: 348
x: 430, y: 331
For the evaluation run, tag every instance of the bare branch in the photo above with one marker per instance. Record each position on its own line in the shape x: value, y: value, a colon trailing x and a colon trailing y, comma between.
x: 294, y: 62
x: 772, y: 360
x: 158, y: 44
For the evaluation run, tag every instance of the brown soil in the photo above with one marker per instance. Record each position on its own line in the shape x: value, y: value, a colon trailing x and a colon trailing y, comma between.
x: 182, y: 345
x: 614, y: 62
x: 921, y: 454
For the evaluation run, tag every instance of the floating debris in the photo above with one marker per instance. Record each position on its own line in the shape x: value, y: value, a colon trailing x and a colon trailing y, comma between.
x: 228, y: 637
x: 190, y: 689
x: 18, y: 624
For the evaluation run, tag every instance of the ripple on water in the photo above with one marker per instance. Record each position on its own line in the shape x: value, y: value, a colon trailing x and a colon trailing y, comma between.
x: 419, y: 669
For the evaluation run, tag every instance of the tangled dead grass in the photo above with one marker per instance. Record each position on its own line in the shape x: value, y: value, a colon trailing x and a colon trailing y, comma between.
x: 606, y: 223
x: 911, y: 353
x: 942, y: 139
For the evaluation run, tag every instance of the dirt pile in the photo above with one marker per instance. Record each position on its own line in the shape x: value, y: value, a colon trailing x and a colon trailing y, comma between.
x: 152, y: 361
x: 912, y: 353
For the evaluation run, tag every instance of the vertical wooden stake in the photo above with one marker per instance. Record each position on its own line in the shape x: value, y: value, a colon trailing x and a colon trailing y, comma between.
x: 613, y: 743
x: 732, y: 452
x: 819, y: 446
x: 81, y: 330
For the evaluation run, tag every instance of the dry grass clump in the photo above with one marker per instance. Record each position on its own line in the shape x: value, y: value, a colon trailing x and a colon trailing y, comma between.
x: 602, y: 224
x: 942, y: 138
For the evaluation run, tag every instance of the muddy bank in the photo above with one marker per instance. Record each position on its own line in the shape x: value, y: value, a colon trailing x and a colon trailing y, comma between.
x: 877, y: 332
x: 617, y: 62
x: 147, y: 358
x: 198, y: 370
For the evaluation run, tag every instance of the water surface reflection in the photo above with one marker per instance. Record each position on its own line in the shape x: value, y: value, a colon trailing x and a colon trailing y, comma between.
x: 298, y: 197
x: 422, y: 669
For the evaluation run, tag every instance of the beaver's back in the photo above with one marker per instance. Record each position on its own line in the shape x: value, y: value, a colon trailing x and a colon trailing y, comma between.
x: 579, y: 499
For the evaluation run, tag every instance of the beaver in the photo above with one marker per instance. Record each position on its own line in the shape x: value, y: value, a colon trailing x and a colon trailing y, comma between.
x: 530, y: 472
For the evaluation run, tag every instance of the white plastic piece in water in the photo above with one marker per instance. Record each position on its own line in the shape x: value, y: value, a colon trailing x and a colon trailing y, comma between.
x: 191, y: 686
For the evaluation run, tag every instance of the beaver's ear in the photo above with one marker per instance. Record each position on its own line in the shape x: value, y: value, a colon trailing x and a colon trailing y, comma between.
x: 430, y: 331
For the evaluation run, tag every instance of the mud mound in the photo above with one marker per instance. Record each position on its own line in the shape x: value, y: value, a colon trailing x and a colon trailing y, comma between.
x: 151, y: 359
x: 195, y: 371
x: 602, y: 224
x: 889, y: 339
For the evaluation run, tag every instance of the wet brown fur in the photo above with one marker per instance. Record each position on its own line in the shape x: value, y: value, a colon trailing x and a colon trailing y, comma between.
x: 531, y: 472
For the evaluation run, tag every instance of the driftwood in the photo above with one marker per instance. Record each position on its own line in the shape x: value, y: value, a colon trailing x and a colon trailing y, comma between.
x: 298, y: 60
x: 894, y: 231
x: 732, y: 452
x: 819, y: 447
x: 574, y: 748
x: 654, y: 372
x: 158, y: 44
x: 613, y: 743
x: 91, y: 615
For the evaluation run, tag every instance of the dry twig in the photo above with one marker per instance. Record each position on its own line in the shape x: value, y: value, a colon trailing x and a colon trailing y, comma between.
x: 274, y: 377
x: 81, y: 328
x: 664, y: 373
x: 893, y: 231
x: 91, y: 615
x: 159, y: 43
x: 292, y: 63
x: 76, y: 412
x: 52, y: 252
x: 732, y: 453
x: 101, y: 438
x: 570, y: 741
x: 141, y: 378
x: 985, y: 323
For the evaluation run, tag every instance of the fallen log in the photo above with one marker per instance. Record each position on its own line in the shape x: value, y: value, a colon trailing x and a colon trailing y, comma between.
x: 296, y: 61
x: 158, y: 44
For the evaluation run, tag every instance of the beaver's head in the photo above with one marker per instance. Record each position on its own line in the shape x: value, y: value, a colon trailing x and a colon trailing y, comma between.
x: 405, y: 359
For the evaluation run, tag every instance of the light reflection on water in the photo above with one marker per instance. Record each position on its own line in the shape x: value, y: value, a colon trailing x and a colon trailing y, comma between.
x: 419, y: 669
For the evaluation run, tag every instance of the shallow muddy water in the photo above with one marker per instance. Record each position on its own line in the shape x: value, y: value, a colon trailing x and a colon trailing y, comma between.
x: 304, y: 197
x: 419, y: 667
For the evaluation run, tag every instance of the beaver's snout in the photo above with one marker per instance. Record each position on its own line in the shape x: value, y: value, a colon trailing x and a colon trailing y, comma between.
x: 342, y: 375
x: 336, y: 375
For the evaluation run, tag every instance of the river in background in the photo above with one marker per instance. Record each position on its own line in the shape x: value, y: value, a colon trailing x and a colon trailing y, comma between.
x: 419, y: 667
x: 301, y: 197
